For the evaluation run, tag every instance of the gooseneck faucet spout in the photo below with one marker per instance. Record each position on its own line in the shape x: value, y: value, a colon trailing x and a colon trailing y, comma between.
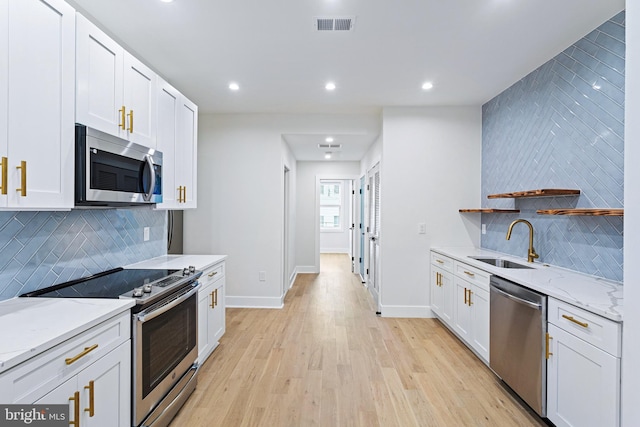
x: 532, y: 252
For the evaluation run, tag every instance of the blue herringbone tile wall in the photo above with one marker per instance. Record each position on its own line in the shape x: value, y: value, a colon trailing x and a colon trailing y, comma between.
x: 562, y: 126
x: 40, y: 249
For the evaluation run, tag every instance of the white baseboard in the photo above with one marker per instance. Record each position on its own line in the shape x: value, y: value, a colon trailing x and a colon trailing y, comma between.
x: 307, y: 269
x: 293, y: 277
x: 334, y: 250
x: 406, y: 311
x: 253, y: 302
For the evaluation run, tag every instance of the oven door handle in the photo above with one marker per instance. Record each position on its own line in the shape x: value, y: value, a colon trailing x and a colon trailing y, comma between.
x: 152, y: 171
x: 145, y: 316
x: 516, y: 299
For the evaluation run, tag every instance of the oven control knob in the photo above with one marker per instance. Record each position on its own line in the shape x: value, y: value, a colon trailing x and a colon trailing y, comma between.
x: 146, y: 289
x: 192, y: 269
x: 185, y: 271
x: 137, y: 292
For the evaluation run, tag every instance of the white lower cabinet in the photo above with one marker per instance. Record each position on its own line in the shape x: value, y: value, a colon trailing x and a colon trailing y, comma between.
x: 471, y: 315
x: 583, y: 377
x: 100, y: 394
x: 90, y: 372
x: 442, y: 288
x: 460, y: 299
x: 211, y: 310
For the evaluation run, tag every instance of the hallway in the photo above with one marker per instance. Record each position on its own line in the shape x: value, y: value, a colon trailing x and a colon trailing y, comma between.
x: 326, y: 359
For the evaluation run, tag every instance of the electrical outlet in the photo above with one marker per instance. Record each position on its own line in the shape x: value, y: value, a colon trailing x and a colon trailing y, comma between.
x: 422, y: 228
x: 484, y: 228
x: 262, y: 276
x: 146, y: 234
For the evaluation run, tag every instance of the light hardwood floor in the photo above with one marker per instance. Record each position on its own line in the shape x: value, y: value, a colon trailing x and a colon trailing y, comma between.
x: 326, y: 359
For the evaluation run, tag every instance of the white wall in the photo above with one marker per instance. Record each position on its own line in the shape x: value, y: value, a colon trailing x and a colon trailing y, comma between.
x: 338, y: 241
x: 431, y: 161
x: 241, y: 159
x: 306, y: 207
x: 631, y: 329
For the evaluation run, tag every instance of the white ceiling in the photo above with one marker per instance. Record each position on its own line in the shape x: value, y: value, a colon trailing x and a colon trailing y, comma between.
x: 470, y: 49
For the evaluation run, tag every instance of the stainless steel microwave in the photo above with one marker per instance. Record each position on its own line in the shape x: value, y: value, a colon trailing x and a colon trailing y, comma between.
x: 113, y: 172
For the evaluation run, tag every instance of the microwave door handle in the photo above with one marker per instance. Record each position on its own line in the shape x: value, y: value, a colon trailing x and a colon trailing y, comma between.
x: 145, y: 316
x: 147, y: 196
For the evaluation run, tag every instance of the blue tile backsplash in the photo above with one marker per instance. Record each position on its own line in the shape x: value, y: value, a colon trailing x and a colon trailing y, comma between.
x: 40, y: 249
x: 561, y: 126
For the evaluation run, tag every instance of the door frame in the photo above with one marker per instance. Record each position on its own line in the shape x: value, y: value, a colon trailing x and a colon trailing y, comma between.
x: 376, y: 293
x: 286, y: 279
x: 336, y: 177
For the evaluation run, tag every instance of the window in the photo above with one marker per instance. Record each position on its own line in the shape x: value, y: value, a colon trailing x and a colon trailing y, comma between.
x: 331, y: 206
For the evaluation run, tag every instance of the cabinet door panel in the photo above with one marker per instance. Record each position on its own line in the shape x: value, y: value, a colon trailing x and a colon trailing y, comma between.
x: 41, y: 90
x: 111, y: 376
x: 186, y: 151
x: 448, y: 294
x: 99, y: 79
x: 61, y: 395
x: 166, y: 138
x: 480, y: 321
x: 205, y: 329
x: 583, y: 383
x: 219, y: 313
x: 462, y: 314
x: 140, y: 101
x: 437, y: 293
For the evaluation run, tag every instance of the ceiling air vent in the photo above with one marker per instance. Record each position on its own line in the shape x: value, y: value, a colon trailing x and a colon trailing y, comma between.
x: 335, y: 24
x: 329, y: 145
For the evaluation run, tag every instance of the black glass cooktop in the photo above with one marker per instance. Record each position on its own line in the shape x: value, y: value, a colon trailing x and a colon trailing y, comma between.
x: 108, y: 284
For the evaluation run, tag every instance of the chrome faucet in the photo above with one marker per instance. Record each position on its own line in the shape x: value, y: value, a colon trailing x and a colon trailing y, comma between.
x: 532, y: 252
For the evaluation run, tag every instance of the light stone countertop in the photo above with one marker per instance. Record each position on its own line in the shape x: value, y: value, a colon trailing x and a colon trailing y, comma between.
x: 595, y: 294
x: 30, y: 326
x: 171, y: 262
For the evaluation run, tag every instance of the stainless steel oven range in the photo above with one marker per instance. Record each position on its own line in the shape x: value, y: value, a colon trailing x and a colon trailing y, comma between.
x: 164, y: 333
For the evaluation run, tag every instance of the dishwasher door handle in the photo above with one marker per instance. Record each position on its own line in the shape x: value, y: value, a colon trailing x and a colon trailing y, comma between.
x: 516, y: 299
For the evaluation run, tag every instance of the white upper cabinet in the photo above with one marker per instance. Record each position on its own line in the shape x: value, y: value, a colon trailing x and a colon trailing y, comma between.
x: 37, y: 70
x: 115, y: 92
x: 177, y: 140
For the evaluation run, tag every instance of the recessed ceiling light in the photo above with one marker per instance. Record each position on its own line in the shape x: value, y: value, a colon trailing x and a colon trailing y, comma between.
x: 427, y: 85
x: 327, y: 155
x: 329, y: 139
x: 330, y: 86
x: 234, y: 86
x: 166, y: 1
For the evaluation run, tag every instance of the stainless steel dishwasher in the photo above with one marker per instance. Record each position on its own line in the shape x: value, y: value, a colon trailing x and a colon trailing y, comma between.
x: 518, y: 330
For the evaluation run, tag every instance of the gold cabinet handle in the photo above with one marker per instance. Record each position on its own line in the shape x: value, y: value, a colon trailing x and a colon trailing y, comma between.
x: 76, y: 409
x: 547, y: 353
x: 213, y: 300
x: 83, y: 353
x: 469, y: 299
x: 3, y: 189
x: 212, y: 274
x: 439, y: 261
x: 577, y: 322
x: 465, y: 295
x: 23, y: 178
x: 468, y: 273
x: 184, y: 195
x: 91, y: 409
x: 130, y: 121
x: 215, y: 292
x: 437, y: 279
x: 122, y: 125
x: 180, y: 194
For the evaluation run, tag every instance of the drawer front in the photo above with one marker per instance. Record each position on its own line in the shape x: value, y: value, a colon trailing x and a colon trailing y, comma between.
x: 212, y: 274
x: 442, y: 261
x: 472, y: 275
x: 602, y: 333
x: 34, y: 378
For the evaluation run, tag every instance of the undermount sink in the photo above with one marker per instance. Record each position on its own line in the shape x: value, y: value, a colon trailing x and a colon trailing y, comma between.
x: 502, y: 263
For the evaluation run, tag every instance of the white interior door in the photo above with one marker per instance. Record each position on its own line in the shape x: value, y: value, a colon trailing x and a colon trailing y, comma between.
x: 352, y: 225
x: 373, y: 229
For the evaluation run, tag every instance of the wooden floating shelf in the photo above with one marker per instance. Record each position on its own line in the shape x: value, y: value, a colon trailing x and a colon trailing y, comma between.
x: 584, y: 212
x: 489, y: 210
x: 545, y: 192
